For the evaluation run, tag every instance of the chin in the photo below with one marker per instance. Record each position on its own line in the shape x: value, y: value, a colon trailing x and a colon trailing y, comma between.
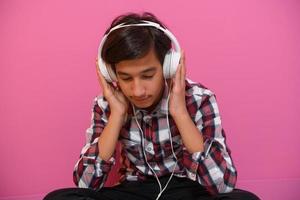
x: 143, y: 105
x: 149, y: 107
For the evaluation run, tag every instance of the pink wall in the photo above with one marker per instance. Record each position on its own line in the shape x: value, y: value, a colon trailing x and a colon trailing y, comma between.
x: 247, y: 52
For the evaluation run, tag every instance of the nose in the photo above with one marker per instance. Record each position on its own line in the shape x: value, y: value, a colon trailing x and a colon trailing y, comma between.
x: 138, y: 90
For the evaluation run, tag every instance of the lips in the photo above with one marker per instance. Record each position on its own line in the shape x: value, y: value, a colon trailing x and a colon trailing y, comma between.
x: 141, y: 99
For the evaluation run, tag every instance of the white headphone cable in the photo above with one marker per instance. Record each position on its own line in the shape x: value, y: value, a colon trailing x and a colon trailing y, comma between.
x: 143, y: 147
x: 170, y: 136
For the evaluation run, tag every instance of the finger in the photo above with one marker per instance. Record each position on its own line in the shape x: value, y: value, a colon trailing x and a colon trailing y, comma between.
x: 176, y: 78
x: 179, y: 69
x: 183, y: 69
x: 111, y: 87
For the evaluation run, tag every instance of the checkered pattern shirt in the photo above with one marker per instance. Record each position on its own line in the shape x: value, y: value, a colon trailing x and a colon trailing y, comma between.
x: 213, y: 168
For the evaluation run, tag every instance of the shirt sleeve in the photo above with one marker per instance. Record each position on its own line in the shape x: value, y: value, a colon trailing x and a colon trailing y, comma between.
x: 90, y: 170
x: 212, y: 168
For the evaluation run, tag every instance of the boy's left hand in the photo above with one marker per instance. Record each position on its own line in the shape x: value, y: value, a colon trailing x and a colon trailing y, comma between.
x: 177, y: 104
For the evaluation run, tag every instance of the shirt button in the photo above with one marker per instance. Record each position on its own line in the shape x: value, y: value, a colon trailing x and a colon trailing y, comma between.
x: 193, y: 176
x: 149, y: 149
x: 147, y: 118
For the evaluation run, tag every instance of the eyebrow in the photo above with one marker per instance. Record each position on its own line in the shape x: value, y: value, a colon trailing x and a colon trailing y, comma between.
x: 150, y: 69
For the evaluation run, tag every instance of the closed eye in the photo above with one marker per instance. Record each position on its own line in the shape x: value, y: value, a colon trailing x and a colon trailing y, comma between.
x: 147, y: 77
x: 126, y: 79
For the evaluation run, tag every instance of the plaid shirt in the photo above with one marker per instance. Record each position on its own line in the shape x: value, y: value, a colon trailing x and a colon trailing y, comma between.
x: 212, y: 168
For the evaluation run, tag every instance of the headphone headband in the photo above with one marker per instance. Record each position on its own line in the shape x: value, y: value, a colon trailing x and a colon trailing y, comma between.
x: 107, y: 72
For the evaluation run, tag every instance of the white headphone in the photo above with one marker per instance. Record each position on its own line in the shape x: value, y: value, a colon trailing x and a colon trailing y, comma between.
x: 171, y: 59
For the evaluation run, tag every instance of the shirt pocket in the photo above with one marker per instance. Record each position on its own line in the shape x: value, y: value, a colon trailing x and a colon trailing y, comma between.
x: 165, y: 144
x: 133, y: 150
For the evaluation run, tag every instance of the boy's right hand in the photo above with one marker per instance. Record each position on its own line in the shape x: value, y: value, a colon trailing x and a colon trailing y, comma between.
x: 116, y: 99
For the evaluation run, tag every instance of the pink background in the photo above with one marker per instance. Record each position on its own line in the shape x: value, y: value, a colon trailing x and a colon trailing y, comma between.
x: 247, y: 52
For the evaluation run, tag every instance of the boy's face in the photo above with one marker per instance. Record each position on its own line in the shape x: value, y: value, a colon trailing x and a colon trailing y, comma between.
x: 141, y: 80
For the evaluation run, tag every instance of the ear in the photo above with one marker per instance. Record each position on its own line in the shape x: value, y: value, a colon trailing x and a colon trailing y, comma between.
x: 117, y: 85
x: 169, y: 82
x: 114, y: 84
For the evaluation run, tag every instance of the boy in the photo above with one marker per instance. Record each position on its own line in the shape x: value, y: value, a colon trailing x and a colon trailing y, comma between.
x: 172, y: 141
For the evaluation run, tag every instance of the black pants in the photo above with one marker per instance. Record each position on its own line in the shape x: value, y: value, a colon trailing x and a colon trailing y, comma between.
x: 178, y: 188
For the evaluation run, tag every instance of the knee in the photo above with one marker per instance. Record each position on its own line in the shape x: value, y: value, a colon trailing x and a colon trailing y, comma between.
x: 246, y: 195
x: 238, y: 194
x: 60, y: 194
x: 53, y: 194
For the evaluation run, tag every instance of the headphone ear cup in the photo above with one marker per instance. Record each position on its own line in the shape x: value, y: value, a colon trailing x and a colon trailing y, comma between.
x: 107, y: 71
x: 111, y: 73
x: 171, y: 62
x: 167, y: 64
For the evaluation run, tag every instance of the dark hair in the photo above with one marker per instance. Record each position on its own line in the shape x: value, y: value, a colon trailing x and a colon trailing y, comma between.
x: 135, y: 41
